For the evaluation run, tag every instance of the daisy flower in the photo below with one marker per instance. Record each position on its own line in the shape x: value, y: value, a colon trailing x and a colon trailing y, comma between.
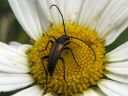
x: 98, y: 73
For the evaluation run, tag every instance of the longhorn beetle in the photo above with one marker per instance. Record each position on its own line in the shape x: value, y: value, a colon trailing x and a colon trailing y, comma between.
x: 58, y: 46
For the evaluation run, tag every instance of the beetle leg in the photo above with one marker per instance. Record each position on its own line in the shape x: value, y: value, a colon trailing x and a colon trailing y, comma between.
x: 43, y: 58
x: 67, y: 48
x: 50, y: 41
x: 67, y: 43
x: 53, y: 37
x: 62, y: 59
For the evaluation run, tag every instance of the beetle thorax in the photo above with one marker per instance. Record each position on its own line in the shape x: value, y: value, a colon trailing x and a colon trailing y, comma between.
x: 62, y: 39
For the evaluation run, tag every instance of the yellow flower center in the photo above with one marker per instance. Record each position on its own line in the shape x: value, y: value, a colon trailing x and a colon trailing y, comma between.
x: 84, y: 66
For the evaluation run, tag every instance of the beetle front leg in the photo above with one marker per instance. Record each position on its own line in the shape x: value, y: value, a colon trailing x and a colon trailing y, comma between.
x: 53, y: 37
x: 50, y: 41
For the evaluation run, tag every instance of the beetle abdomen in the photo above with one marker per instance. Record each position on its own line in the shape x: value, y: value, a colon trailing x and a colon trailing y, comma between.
x: 53, y: 57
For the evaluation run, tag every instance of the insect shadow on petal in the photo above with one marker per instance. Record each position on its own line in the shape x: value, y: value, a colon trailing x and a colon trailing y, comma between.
x: 58, y: 46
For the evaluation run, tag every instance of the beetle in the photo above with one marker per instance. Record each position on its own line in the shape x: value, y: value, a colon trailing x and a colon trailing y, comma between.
x: 58, y: 46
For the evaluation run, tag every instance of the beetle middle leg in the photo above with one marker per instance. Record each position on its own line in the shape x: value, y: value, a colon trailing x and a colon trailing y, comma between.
x: 67, y: 48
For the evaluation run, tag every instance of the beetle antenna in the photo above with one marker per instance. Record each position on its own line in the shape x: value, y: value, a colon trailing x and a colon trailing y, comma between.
x: 61, y: 16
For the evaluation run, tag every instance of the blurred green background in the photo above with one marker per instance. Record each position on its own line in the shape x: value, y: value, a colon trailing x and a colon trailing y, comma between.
x: 10, y: 30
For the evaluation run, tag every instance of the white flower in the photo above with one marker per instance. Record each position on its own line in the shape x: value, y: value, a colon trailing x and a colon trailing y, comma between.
x: 108, y: 17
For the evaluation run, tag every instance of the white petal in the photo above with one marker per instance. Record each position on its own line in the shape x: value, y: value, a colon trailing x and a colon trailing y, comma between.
x: 24, y: 48
x: 99, y: 92
x: 44, y: 6
x: 72, y: 9
x: 48, y: 94
x: 15, y: 44
x: 113, y: 88
x: 9, y: 64
x: 118, y: 54
x: 113, y: 21
x: 4, y: 46
x: 6, y: 78
x: 53, y: 13
x: 67, y: 7
x: 20, y: 47
x: 11, y: 87
x: 27, y: 15
x: 32, y: 91
x: 45, y: 20
x: 90, y: 92
x: 91, y: 12
x: 117, y: 77
x: 12, y: 60
x: 118, y: 67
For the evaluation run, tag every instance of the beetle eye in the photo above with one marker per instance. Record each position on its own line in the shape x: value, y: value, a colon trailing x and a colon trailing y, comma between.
x: 67, y: 38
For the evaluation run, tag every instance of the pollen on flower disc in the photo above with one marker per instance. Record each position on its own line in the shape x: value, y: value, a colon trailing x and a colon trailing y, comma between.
x: 78, y: 76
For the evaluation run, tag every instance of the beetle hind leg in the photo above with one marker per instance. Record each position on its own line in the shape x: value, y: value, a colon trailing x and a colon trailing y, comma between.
x: 62, y: 59
x: 43, y: 58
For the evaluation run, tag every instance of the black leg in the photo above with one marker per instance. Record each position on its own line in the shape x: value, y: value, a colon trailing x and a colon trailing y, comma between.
x: 62, y: 59
x: 67, y: 43
x: 50, y: 41
x: 67, y: 48
x: 43, y: 58
x: 53, y: 37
